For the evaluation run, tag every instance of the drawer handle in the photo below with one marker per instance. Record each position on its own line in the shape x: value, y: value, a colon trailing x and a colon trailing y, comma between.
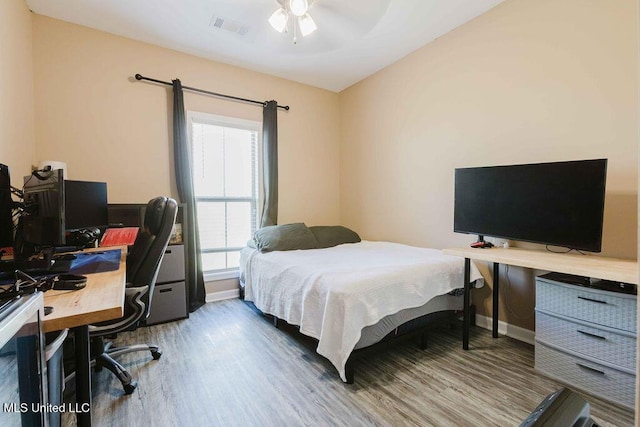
x: 593, y: 300
x: 590, y: 369
x: 589, y: 334
x: 162, y: 291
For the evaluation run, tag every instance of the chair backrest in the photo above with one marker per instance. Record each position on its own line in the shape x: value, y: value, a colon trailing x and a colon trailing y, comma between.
x: 145, y: 256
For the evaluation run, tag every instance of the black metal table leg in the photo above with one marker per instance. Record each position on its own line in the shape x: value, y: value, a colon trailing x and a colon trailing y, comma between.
x: 83, y: 375
x: 496, y: 301
x: 466, y: 322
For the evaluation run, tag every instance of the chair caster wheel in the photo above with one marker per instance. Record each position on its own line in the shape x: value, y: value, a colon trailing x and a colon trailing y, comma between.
x: 156, y: 354
x: 130, y: 388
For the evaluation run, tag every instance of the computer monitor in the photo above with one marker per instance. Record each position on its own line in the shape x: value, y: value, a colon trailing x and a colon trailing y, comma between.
x: 85, y: 204
x: 43, y: 223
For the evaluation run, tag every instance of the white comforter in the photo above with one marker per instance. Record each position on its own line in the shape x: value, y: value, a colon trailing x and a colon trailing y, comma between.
x: 333, y: 293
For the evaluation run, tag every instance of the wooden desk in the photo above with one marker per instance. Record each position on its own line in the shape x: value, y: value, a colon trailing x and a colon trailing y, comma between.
x: 100, y: 300
x: 598, y: 267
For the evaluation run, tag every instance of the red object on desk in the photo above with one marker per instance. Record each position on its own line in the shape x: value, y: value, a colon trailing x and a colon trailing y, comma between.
x: 119, y: 236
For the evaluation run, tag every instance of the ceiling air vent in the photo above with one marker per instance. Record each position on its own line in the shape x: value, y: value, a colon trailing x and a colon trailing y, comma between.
x: 228, y: 25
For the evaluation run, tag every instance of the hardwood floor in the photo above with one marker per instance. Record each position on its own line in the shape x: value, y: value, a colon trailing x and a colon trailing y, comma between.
x: 229, y: 366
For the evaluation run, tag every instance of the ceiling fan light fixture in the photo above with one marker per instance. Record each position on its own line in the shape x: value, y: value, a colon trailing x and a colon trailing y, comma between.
x: 279, y: 20
x: 299, y: 7
x: 307, y: 25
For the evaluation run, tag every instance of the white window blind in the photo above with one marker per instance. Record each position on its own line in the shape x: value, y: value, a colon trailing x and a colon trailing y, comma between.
x: 225, y: 177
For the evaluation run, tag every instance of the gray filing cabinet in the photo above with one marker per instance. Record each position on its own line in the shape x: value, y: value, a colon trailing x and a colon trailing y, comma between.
x: 169, y: 296
x: 586, y: 338
x: 169, y: 301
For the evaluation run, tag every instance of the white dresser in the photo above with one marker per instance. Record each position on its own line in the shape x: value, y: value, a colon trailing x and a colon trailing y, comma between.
x: 586, y: 337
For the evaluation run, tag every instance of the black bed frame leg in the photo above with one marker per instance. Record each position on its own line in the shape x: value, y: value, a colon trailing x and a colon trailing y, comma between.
x: 349, y: 372
x: 423, y: 340
x: 275, y: 322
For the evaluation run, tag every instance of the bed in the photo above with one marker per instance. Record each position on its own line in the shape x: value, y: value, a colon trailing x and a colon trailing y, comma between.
x: 350, y: 296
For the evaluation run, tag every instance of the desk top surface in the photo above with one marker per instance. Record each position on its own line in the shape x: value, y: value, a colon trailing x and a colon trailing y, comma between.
x: 100, y: 300
x: 616, y: 269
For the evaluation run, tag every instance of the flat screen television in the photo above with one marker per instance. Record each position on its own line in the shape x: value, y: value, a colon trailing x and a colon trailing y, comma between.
x: 558, y: 204
x: 85, y: 204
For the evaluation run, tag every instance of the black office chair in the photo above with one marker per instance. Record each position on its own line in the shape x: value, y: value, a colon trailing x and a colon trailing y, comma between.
x: 143, y: 263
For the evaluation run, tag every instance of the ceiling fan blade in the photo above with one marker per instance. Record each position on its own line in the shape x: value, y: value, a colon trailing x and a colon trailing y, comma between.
x: 350, y: 18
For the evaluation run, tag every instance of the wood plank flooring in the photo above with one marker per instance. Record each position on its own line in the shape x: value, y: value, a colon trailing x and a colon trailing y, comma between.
x: 229, y: 366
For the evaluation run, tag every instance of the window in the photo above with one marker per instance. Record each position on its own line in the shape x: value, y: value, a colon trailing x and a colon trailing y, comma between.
x: 225, y: 171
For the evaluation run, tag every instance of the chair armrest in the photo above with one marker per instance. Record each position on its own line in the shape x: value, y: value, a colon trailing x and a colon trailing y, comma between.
x: 133, y: 312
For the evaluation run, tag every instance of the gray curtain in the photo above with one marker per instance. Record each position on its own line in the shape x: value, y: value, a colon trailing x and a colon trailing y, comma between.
x: 270, y: 163
x: 184, y: 182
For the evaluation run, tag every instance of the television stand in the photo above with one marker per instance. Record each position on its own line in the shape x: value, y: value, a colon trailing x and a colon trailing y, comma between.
x: 597, y: 267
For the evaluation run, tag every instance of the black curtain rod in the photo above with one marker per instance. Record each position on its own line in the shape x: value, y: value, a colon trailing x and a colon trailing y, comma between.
x: 141, y: 77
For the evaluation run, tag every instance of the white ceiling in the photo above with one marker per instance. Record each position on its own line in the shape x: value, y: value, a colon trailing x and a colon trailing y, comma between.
x: 355, y: 38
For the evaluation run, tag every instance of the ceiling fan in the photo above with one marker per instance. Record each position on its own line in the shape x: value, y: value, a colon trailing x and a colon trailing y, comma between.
x: 301, y: 20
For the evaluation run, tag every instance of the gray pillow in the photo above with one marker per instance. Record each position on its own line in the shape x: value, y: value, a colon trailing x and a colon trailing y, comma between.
x: 333, y: 235
x: 287, y: 237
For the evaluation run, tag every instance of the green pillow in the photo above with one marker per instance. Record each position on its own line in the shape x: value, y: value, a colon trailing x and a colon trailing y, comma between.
x: 333, y: 235
x: 287, y: 237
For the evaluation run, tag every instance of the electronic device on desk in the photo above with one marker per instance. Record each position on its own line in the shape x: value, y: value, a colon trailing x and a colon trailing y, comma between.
x: 481, y: 243
x: 6, y: 208
x: 86, y: 211
x: 58, y: 213
x: 26, y: 284
x: 55, y: 215
x: 43, y: 220
x: 561, y: 409
x: 559, y: 203
x: 587, y: 282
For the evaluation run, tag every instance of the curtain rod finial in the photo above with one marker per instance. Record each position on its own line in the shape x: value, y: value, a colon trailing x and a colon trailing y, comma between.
x: 138, y: 77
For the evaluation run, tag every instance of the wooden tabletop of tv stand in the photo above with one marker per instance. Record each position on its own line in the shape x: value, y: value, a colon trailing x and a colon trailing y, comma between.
x: 598, y: 267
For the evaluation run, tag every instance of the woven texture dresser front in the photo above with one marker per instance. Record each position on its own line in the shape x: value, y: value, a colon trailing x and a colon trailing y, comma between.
x: 586, y: 338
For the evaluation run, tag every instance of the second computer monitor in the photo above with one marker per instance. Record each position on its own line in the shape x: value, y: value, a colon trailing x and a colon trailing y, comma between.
x: 85, y: 204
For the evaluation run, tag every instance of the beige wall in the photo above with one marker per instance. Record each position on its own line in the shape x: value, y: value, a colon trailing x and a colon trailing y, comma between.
x: 529, y: 81
x: 17, y: 140
x: 108, y: 127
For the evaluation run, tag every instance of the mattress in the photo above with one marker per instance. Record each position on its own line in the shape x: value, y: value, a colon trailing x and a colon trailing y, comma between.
x: 375, y: 333
x: 335, y: 294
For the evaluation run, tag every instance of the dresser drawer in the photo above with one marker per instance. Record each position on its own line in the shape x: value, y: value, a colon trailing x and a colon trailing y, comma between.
x: 597, y: 343
x: 615, y: 386
x: 600, y: 307
x: 172, y: 266
x: 168, y: 303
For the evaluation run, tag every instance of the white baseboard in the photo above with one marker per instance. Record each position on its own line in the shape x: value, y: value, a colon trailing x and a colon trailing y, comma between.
x: 222, y: 295
x: 515, y: 332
